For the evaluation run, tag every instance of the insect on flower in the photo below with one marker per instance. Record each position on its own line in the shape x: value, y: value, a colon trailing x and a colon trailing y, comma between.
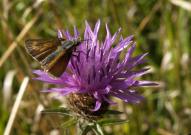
x: 53, y: 54
x: 99, y: 73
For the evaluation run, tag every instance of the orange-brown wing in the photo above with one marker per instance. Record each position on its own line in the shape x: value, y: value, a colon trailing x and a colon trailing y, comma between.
x: 39, y: 49
x: 52, y: 54
x: 57, y: 65
x: 56, y: 62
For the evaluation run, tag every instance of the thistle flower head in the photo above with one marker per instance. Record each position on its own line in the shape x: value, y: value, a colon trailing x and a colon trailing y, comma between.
x: 98, y: 70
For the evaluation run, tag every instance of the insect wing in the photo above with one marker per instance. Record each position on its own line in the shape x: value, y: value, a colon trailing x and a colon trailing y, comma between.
x: 58, y: 65
x: 56, y: 62
x: 39, y: 49
x: 53, y: 55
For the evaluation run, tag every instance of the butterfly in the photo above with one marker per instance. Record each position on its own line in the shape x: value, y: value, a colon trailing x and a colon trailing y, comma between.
x: 52, y: 54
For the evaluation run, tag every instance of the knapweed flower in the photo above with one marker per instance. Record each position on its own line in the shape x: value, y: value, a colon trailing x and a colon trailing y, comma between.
x: 97, y: 71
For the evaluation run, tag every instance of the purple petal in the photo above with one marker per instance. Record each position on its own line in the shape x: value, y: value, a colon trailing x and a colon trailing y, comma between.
x: 76, y: 33
x: 104, y: 91
x: 115, y: 35
x: 109, y: 101
x: 145, y: 83
x: 122, y: 84
x: 62, y: 91
x: 97, y: 106
x: 67, y: 35
x: 136, y: 61
x: 39, y: 72
x: 132, y: 74
x: 43, y: 76
x: 129, y: 53
x: 130, y: 98
x: 123, y: 44
x: 88, y: 32
x: 107, y: 43
x: 60, y: 33
x: 96, y: 29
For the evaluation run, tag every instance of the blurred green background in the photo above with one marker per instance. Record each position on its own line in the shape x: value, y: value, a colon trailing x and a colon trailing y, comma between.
x: 161, y: 27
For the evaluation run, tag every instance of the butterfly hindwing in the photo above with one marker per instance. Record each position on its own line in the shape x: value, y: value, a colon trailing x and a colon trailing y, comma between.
x: 58, y: 66
x: 56, y: 62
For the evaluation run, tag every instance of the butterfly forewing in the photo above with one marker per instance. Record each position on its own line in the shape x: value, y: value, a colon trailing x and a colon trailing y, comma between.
x: 40, y: 48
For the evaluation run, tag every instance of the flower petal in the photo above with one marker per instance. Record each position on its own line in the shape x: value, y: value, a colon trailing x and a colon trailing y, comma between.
x: 60, y: 33
x: 123, y: 44
x: 43, y: 76
x: 62, y: 91
x: 136, y: 61
x: 96, y: 29
x: 145, y: 83
x: 132, y: 74
x: 130, y: 98
x: 88, y: 32
x: 67, y: 35
x: 109, y: 101
x: 97, y: 106
x: 76, y: 33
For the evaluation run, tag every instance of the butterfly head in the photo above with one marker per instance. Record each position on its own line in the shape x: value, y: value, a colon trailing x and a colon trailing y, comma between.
x: 76, y: 41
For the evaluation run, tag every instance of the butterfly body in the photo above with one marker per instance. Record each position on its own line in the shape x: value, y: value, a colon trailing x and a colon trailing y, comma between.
x: 52, y: 54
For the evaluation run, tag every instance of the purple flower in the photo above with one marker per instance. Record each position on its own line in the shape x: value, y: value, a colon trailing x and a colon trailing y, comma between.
x: 97, y: 69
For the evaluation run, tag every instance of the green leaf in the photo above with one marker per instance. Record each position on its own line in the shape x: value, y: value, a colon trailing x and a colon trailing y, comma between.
x: 113, y: 112
x: 96, y: 128
x: 69, y: 123
x: 99, y: 129
x: 59, y: 111
x: 105, y: 122
x: 85, y: 130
